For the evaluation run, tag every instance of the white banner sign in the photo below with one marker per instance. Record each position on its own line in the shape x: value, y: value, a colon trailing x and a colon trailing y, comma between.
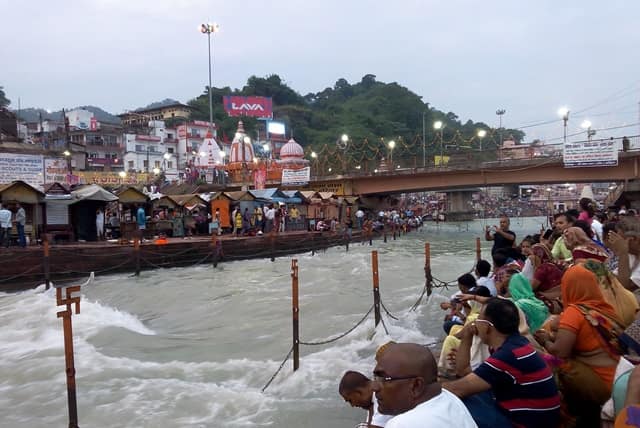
x: 55, y: 170
x: 296, y: 176
x: 592, y: 153
x: 27, y: 168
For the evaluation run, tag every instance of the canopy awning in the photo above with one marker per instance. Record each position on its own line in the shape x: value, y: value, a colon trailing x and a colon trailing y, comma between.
x: 93, y: 192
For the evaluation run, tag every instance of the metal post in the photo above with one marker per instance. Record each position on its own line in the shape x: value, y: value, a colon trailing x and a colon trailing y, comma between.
x: 136, y: 251
x: 424, y: 140
x: 68, y: 348
x: 210, y: 95
x: 295, y: 314
x: 46, y: 265
x: 384, y: 231
x: 478, y: 250
x: 376, y: 286
x: 427, y: 268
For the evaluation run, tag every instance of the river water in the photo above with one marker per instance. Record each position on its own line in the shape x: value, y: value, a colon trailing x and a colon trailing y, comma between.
x: 193, y: 347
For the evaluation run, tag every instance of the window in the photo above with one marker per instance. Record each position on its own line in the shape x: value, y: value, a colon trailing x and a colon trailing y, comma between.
x: 130, y: 165
x: 93, y: 155
x: 170, y: 150
x: 140, y: 148
x: 157, y: 164
x: 145, y: 164
x: 169, y: 165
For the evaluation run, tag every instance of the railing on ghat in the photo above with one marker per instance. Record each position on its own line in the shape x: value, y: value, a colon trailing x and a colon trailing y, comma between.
x: 431, y: 282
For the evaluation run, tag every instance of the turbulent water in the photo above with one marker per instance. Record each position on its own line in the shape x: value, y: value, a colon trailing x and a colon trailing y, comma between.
x: 193, y: 347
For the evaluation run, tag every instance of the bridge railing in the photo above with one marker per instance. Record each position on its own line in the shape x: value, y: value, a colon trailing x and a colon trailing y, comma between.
x: 451, y: 158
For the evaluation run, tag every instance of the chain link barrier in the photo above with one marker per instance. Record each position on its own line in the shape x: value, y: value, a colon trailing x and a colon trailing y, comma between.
x: 279, y: 369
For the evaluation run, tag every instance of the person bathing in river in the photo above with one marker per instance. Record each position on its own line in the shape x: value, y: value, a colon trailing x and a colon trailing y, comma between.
x: 356, y: 389
x: 457, y: 314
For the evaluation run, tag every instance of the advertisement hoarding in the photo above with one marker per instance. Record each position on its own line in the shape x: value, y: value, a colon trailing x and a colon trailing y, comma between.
x: 590, y: 153
x: 248, y: 106
x: 27, y: 168
x: 55, y: 170
x: 296, y: 177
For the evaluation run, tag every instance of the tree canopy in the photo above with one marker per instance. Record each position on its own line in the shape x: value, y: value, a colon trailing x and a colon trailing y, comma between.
x: 4, y: 101
x: 368, y: 110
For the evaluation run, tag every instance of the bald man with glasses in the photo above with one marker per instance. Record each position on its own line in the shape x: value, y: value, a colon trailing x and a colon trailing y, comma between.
x: 405, y: 385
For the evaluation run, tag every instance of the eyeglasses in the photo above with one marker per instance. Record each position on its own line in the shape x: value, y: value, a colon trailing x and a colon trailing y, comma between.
x: 481, y: 320
x: 384, y: 379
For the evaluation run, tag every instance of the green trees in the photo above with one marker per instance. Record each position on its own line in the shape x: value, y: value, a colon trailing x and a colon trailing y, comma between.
x: 4, y: 101
x: 368, y: 110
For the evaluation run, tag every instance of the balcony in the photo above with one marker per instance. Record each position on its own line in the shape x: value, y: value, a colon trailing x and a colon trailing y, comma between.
x: 104, y: 161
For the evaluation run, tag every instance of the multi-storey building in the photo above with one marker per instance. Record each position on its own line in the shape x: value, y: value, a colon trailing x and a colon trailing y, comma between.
x: 153, y: 152
x: 141, y: 117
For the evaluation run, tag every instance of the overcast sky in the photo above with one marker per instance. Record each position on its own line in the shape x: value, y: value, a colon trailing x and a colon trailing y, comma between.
x: 469, y: 57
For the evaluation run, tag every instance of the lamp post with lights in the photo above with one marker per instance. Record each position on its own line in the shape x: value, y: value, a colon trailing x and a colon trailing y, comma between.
x: 481, y: 134
x: 587, y: 125
x: 563, y: 112
x: 438, y: 125
x: 392, y: 145
x: 209, y: 29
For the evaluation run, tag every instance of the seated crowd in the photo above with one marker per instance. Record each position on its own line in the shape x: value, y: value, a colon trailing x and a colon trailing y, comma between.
x: 549, y: 338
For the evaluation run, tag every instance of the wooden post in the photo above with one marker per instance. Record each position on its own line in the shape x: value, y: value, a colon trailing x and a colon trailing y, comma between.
x: 136, y: 251
x: 313, y: 244
x: 384, y: 231
x: 68, y: 348
x: 427, y: 268
x: 45, y: 264
x: 394, y: 230
x: 376, y: 286
x: 478, y: 250
x: 272, y: 243
x: 295, y: 314
x: 216, y: 252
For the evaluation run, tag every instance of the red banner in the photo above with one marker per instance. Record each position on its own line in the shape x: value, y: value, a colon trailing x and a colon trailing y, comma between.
x: 248, y: 106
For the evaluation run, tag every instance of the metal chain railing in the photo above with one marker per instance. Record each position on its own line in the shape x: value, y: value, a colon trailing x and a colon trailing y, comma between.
x: 278, y: 371
x: 324, y: 342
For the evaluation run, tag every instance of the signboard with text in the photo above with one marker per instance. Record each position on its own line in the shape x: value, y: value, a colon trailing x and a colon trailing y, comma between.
x: 55, y: 170
x: 27, y: 168
x: 590, y: 154
x: 296, y: 177
x: 248, y: 106
x: 111, y: 178
x: 335, y: 187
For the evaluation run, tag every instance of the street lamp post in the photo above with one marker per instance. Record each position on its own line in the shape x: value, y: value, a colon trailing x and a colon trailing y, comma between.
x: 481, y: 134
x: 424, y: 139
x: 208, y: 29
x: 392, y: 145
x: 563, y: 112
x: 438, y: 125
x: 587, y: 125
x: 500, y: 112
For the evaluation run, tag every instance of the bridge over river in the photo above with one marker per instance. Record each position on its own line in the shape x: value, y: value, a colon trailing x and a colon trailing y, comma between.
x: 473, y: 173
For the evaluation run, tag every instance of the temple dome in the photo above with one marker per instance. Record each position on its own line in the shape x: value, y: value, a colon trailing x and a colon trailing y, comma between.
x: 292, y: 150
x: 239, y: 144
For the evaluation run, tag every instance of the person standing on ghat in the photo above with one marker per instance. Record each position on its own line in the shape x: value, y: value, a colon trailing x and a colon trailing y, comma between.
x: 5, y: 226
x: 502, y: 236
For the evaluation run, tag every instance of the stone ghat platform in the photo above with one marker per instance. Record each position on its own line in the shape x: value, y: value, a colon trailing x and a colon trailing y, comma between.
x: 24, y: 268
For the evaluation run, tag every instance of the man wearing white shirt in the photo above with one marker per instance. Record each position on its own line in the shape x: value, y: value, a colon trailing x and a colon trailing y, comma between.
x: 406, y: 386
x: 483, y: 268
x: 5, y: 226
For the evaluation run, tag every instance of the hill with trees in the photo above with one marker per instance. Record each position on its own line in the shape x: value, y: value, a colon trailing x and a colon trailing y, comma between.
x: 370, y: 112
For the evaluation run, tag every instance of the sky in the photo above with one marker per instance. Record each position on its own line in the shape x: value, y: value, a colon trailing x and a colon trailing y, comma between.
x: 464, y: 56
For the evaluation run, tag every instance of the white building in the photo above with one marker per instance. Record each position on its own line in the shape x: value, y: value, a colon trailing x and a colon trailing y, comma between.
x: 154, y: 153
x: 191, y: 143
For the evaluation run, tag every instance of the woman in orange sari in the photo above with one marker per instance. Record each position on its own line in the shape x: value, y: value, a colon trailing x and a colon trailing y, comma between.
x: 587, y: 342
x: 593, y: 257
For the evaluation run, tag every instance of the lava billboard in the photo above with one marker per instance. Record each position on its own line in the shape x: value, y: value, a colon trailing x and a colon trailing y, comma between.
x: 248, y: 106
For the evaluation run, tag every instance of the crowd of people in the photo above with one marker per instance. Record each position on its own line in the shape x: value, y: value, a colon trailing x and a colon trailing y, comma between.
x: 547, y: 335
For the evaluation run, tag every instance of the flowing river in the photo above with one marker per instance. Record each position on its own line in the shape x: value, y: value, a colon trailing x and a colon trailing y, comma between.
x: 193, y: 347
